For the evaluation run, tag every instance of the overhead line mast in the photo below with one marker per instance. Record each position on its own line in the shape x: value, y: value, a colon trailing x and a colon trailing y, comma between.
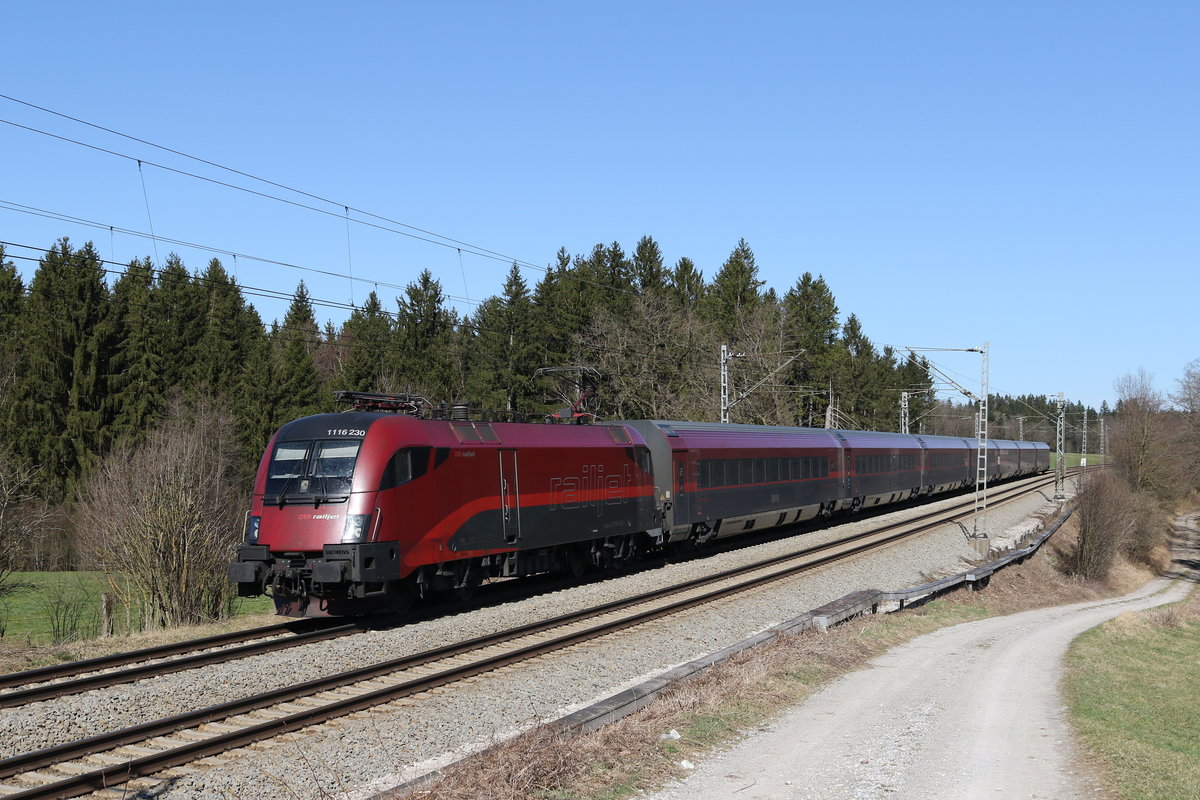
x: 979, y: 523
x: 1060, y: 470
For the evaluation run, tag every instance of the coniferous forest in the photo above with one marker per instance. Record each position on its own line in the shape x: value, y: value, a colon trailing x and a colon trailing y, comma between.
x: 96, y: 360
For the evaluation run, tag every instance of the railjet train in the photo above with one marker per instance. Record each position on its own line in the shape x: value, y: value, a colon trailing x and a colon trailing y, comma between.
x: 363, y: 511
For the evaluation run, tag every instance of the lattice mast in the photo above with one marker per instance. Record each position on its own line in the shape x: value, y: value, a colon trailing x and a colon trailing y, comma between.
x: 981, y: 471
x: 1060, y: 470
x: 1083, y: 447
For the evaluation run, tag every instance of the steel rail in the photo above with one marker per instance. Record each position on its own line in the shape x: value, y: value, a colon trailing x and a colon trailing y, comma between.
x: 42, y: 674
x: 102, y: 679
x: 148, y: 764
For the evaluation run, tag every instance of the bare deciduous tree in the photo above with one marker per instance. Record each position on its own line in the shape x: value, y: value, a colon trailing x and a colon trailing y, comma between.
x: 1140, y: 438
x: 164, y: 517
x: 650, y: 364
x: 1188, y: 401
x: 22, y: 519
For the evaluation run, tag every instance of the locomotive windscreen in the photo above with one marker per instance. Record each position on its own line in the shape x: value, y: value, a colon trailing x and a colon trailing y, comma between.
x: 304, y: 470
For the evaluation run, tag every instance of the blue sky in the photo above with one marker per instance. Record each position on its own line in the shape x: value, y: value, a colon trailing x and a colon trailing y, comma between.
x: 1025, y: 174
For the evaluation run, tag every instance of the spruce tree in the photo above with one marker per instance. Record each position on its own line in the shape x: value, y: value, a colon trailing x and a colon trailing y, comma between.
x: 137, y: 391
x: 12, y: 307
x: 260, y: 405
x: 811, y: 324
x: 227, y: 334
x: 686, y: 283
x: 557, y: 319
x: 913, y: 377
x: 57, y: 419
x: 12, y: 298
x: 648, y: 265
x: 180, y: 313
x: 424, y: 335
x: 857, y: 378
x: 12, y: 304
x: 734, y: 291
x: 296, y: 343
x: 366, y: 338
x: 503, y: 354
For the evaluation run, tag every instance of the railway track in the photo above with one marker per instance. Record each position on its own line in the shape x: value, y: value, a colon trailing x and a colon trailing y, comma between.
x: 60, y: 680
x: 110, y: 759
x: 47, y: 683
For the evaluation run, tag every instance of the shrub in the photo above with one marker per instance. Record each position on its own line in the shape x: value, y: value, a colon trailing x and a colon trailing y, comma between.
x: 167, y: 514
x: 1105, y: 516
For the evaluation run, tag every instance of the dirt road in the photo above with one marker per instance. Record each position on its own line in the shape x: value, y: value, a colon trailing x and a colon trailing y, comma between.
x: 971, y: 711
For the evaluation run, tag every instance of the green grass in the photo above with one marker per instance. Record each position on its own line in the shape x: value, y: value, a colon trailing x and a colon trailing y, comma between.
x: 66, y: 605
x: 1132, y: 691
x: 1073, y: 459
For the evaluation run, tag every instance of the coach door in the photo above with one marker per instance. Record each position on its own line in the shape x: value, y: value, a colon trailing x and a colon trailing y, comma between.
x: 681, y: 513
x: 510, y: 510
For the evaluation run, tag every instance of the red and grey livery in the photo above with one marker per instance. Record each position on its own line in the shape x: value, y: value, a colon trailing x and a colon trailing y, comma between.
x: 362, y: 511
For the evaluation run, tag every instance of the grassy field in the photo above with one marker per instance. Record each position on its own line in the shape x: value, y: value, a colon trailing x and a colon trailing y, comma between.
x: 65, y: 606
x: 1074, y: 459
x: 1131, y: 687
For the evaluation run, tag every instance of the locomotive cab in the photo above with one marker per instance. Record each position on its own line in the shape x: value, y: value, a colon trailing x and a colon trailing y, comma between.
x: 311, y: 532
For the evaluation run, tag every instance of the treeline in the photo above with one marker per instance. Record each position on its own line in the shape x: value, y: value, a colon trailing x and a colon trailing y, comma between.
x: 89, y: 363
x: 1030, y: 417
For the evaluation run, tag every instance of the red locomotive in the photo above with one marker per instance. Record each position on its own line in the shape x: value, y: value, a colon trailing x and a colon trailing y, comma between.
x: 367, y: 509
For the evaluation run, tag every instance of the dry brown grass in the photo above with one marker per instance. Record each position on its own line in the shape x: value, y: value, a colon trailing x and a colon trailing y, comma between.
x: 736, y: 696
x: 708, y: 711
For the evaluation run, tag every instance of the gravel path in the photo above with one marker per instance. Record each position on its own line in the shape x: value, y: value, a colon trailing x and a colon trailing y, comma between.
x: 970, y: 711
x: 379, y: 745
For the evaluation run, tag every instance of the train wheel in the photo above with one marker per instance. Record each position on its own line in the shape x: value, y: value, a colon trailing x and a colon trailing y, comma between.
x: 399, y: 597
x: 468, y: 581
x: 577, y: 562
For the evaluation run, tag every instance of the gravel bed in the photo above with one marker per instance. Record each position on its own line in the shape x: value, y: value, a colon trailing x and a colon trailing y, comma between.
x: 378, y: 745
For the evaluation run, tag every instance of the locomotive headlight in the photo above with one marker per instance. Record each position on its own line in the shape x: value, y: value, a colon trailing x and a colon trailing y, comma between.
x: 356, y: 528
x: 252, y: 526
